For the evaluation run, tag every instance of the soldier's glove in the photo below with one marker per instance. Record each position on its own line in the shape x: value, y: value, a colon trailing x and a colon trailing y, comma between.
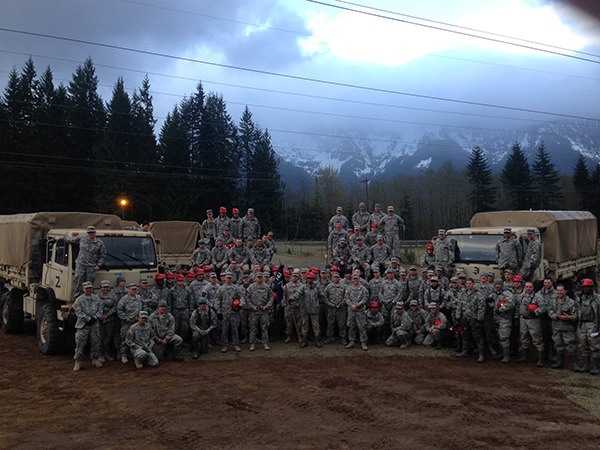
x: 92, y: 321
x: 220, y: 316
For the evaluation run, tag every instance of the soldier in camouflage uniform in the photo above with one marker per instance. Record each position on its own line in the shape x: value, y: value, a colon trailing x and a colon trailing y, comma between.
x: 259, y: 301
x: 400, y: 326
x: 339, y: 217
x: 250, y: 226
x: 140, y: 342
x: 92, y: 252
x: 201, y: 256
x: 563, y: 311
x: 209, y: 226
x: 390, y: 294
x: 148, y: 303
x: 235, y: 224
x: 502, y: 303
x: 381, y: 254
x: 356, y: 297
x: 428, y: 259
x: 392, y: 226
x: 221, y: 222
x: 589, y: 322
x: 202, y: 323
x: 88, y: 310
x: 162, y: 324
x: 261, y: 255
x: 413, y: 282
x: 471, y: 313
x: 107, y: 320
x: 291, y: 311
x: 449, y: 306
x: 377, y: 214
x: 361, y: 219
x: 181, y: 304
x: 336, y: 310
x: 159, y: 291
x: 309, y: 298
x: 531, y: 307
x: 509, y: 252
x: 361, y: 257
x: 434, y: 293
x: 334, y: 238
x: 219, y: 255
x: 198, y: 285
x: 241, y: 254
x: 435, y: 327
x: 444, y: 252
x: 532, y: 257
x: 375, y: 286
x: 342, y: 255
x: 228, y: 303
x: 374, y: 320
x: 128, y: 310
x: 371, y: 236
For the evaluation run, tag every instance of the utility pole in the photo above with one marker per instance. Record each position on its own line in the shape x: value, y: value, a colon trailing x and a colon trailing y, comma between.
x: 366, y: 181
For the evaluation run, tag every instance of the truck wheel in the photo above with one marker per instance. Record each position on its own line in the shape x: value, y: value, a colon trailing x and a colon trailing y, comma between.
x: 12, y: 313
x: 50, y: 337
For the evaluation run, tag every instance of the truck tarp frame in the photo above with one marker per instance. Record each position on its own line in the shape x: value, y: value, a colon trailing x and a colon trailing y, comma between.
x: 178, y: 238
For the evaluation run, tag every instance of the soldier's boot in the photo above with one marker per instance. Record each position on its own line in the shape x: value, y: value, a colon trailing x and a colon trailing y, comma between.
x: 195, y: 354
x: 350, y: 344
x: 404, y: 342
x: 344, y: 341
x: 438, y: 345
x: 574, y: 361
x: 124, y: 359
x: 465, y: 349
x: 266, y: 346
x: 330, y: 340
x: 540, y: 359
x: 237, y: 348
x: 177, y: 355
x: 364, y: 346
x: 96, y: 363
x: 586, y: 365
x: 459, y: 348
x: 138, y: 363
x: 318, y: 342
x: 481, y: 353
x: 506, y: 352
x: 595, y: 366
x: 560, y: 361
x: 102, y: 359
x: 107, y: 357
x: 288, y: 339
x: 304, y: 342
x: 252, y: 347
x: 224, y: 349
x: 77, y: 366
x: 524, y: 356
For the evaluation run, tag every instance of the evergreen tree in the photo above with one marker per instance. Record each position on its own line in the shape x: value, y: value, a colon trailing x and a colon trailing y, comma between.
x: 516, y: 180
x: 546, y: 190
x: 406, y: 212
x: 483, y: 194
x: 581, y: 181
x: 247, y: 140
x: 594, y: 192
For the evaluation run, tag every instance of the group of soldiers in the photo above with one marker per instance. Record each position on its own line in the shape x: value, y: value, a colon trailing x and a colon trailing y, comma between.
x: 366, y: 301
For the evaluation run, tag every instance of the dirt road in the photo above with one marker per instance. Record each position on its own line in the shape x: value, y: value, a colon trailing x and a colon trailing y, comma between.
x: 288, y: 397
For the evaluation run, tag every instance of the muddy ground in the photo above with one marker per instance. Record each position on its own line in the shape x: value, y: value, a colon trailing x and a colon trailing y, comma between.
x: 289, y: 398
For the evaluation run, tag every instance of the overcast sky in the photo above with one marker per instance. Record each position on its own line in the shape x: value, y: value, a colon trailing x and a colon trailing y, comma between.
x: 294, y: 62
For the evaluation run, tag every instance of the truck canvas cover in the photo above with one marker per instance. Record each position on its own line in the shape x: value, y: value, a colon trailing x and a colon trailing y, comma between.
x: 566, y: 234
x: 177, y: 238
x: 22, y: 234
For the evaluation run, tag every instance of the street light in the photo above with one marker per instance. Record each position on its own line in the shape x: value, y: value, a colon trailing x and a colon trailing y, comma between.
x: 123, y: 202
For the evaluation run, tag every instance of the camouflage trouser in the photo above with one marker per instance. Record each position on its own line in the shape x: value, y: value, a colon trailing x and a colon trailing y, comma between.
x: 289, y: 320
x: 82, y: 274
x: 435, y: 337
x: 393, y: 241
x: 199, y: 343
x: 336, y: 315
x: 107, y: 335
x: 314, y: 320
x: 398, y: 338
x: 182, y: 322
x: 91, y: 332
x: 259, y: 318
x: 588, y: 345
x: 175, y: 342
x: 145, y: 357
x: 357, y: 325
x: 503, y: 328
x: 125, y: 326
x: 489, y: 330
x: 564, y: 340
x: 472, y: 332
x: 531, y: 331
x: 230, y: 321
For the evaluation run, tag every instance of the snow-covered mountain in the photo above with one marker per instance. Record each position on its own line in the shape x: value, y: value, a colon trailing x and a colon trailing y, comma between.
x: 379, y: 157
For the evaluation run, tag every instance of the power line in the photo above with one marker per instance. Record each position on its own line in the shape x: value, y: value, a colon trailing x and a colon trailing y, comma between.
x: 297, y: 77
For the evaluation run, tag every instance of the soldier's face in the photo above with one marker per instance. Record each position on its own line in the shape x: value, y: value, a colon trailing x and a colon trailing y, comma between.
x: 547, y: 284
x: 560, y: 291
x: 529, y: 288
x: 142, y: 321
x: 469, y: 285
x: 87, y: 291
x: 202, y: 306
x: 162, y: 310
x: 105, y: 289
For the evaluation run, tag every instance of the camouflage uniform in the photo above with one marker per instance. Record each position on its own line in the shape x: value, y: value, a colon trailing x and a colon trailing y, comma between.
x: 428, y: 261
x: 261, y: 255
x: 107, y: 326
x: 140, y: 342
x: 401, y: 329
x: 361, y: 220
x: 390, y: 226
x: 128, y: 309
x: 532, y: 259
x: 434, y: 328
x: 197, y: 287
x: 443, y: 249
x: 414, y: 286
x: 163, y: 328
x: 219, y: 257
x: 342, y: 255
x: 417, y: 317
x: 433, y: 294
x: 259, y: 301
x: 374, y: 323
x: 181, y: 303
x: 91, y: 254
x: 361, y: 259
x: 240, y: 254
x: 530, y: 323
x: 336, y: 310
x: 356, y: 295
x: 589, y: 322
x: 339, y: 218
x: 470, y: 314
x: 309, y: 297
x: 563, y: 331
x: 509, y: 253
x: 226, y: 294
x: 88, y: 310
x: 235, y: 227
x: 503, y: 304
x: 250, y: 228
x: 291, y: 307
x: 220, y: 224
x: 148, y: 303
x: 376, y: 217
x: 209, y: 226
x: 375, y: 288
x: 159, y: 293
x: 201, y: 257
x: 202, y: 324
x: 390, y: 294
x: 381, y: 255
x: 371, y: 238
x: 334, y: 239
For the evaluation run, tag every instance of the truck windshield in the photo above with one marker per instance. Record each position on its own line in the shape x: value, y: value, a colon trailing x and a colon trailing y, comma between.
x: 476, y: 248
x: 126, y: 252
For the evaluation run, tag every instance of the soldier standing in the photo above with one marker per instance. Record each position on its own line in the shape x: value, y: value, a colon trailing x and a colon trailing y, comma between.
x: 336, y: 310
x: 471, y: 313
x: 377, y: 214
x: 531, y: 307
x: 88, y: 310
x: 228, y: 303
x: 235, y: 224
x: 503, y: 304
x: 107, y: 320
x: 250, y: 226
x: 391, y: 226
x: 309, y: 298
x: 509, y: 252
x: 92, y: 252
x: 162, y: 324
x: 140, y: 342
x: 181, y: 304
x: 209, y: 226
x: 589, y: 324
x: 259, y: 301
x: 532, y: 257
x: 201, y: 256
x: 355, y: 297
x: 128, y: 310
x: 339, y: 217
x: 563, y: 312
x: 444, y: 252
x: 361, y: 219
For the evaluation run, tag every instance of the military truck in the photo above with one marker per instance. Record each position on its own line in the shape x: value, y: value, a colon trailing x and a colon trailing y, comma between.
x: 176, y: 240
x: 569, y: 242
x: 37, y: 268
